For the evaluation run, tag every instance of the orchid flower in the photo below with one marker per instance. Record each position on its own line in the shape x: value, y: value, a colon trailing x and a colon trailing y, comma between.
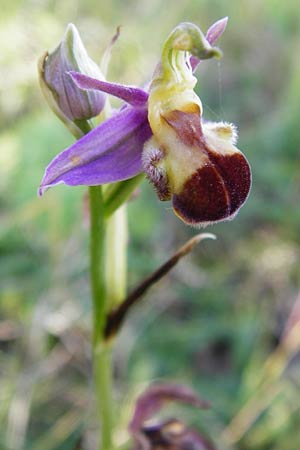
x: 170, y: 434
x: 160, y: 131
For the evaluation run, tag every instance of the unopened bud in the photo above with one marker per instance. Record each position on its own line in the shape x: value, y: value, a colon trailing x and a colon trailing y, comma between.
x: 70, y: 103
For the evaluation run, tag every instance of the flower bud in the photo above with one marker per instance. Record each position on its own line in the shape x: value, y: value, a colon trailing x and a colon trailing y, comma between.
x: 71, y: 104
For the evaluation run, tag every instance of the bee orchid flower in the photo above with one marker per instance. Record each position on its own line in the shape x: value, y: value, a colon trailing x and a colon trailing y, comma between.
x: 160, y: 131
x: 150, y: 433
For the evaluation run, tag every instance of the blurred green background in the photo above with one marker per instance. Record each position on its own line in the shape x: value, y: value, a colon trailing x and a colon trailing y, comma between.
x: 227, y: 320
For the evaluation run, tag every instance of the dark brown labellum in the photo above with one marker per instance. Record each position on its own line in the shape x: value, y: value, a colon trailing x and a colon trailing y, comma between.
x: 217, y: 189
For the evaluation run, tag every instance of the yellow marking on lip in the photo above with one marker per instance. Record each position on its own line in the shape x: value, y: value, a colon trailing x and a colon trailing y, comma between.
x: 191, y: 108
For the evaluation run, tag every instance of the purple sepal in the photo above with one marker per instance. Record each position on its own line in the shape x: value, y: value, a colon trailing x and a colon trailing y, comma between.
x: 216, y: 30
x: 130, y: 94
x: 212, y: 35
x: 109, y: 153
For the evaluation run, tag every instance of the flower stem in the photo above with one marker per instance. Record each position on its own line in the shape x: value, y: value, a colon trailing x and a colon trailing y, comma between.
x: 103, y: 389
x: 97, y: 256
x: 116, y: 257
x: 101, y: 351
x: 118, y: 193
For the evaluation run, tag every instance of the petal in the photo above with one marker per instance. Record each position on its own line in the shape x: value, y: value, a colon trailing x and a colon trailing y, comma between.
x: 130, y: 94
x: 212, y: 35
x: 152, y: 400
x: 109, y: 153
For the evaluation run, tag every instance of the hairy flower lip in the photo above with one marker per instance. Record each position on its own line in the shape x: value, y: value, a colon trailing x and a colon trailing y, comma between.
x: 214, y: 186
x: 218, y: 204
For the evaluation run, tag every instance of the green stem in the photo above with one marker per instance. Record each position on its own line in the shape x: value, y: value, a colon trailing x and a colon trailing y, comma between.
x: 116, y: 257
x: 84, y: 125
x: 103, y: 388
x: 117, y: 194
x: 101, y: 352
x: 97, y: 262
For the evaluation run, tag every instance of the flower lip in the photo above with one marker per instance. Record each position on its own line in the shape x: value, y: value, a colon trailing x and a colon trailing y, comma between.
x: 215, y: 186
